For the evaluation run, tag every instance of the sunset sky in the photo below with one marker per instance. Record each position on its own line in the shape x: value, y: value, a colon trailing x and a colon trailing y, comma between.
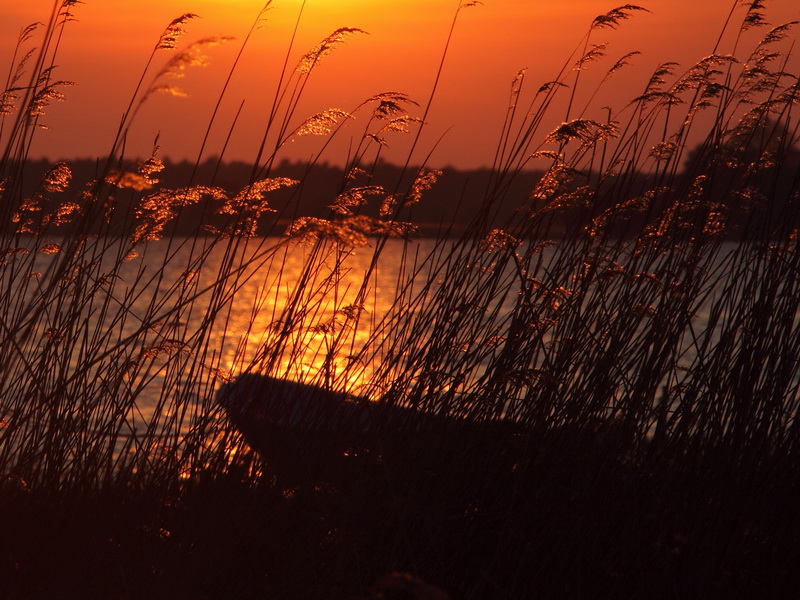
x: 104, y: 52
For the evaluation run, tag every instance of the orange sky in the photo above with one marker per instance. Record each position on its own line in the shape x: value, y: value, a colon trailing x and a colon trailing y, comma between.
x: 105, y: 50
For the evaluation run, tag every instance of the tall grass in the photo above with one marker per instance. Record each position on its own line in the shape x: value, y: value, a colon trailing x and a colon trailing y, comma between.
x: 624, y: 349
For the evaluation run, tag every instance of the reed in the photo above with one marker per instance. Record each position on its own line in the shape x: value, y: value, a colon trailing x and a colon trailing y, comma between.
x: 608, y: 378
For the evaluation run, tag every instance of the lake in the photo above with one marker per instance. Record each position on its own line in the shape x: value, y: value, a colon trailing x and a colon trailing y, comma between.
x: 151, y: 335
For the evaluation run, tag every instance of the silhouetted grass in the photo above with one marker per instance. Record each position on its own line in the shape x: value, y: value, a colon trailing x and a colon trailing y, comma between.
x: 598, y: 396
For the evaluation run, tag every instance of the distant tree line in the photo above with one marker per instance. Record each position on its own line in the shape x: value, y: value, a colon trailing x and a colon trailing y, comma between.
x: 749, y: 192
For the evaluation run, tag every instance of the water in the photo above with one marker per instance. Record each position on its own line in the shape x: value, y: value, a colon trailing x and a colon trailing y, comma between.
x: 193, y: 295
x: 185, y: 314
x: 152, y: 337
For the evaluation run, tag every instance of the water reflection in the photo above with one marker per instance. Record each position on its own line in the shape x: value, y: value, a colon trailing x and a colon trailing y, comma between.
x: 144, y: 343
x: 299, y: 311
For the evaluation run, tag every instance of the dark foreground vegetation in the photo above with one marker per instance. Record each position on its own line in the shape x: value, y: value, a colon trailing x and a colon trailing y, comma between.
x: 613, y: 414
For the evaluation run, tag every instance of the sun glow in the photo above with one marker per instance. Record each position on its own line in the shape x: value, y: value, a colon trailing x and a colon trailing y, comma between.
x: 401, y: 51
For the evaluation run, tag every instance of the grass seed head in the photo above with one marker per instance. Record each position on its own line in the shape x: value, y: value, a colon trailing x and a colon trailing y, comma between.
x: 174, y: 31
x: 312, y: 58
